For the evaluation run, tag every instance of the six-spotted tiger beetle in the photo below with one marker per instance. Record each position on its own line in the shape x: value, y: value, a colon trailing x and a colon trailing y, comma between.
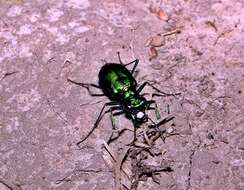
x: 119, y: 85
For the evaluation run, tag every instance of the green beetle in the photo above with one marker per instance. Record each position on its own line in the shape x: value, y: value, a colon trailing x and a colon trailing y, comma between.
x: 119, y: 85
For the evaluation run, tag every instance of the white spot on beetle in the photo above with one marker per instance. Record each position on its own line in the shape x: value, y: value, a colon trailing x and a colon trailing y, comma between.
x: 140, y: 115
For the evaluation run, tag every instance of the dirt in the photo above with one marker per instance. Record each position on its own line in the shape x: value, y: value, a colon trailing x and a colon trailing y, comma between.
x: 191, y: 47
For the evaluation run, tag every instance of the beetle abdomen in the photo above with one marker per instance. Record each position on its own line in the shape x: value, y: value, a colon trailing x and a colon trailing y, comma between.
x: 115, y: 80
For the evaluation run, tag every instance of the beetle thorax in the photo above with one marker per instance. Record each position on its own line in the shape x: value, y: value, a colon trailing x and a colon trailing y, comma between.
x: 135, y: 103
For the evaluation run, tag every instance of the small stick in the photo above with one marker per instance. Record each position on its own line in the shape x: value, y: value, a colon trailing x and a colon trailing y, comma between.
x: 176, y: 31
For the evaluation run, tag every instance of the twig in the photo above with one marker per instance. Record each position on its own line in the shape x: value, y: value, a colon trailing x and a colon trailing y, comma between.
x: 117, y: 162
x: 8, y: 74
x: 67, y: 178
x: 6, y: 184
x: 176, y: 31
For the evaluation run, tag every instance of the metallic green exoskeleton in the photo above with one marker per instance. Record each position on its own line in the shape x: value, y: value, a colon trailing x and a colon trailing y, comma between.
x: 119, y: 85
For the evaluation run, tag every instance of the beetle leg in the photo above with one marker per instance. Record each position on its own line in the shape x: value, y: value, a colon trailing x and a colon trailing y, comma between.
x: 112, y: 118
x: 135, y: 63
x: 99, y: 118
x: 87, y: 86
x: 116, y: 134
x: 111, y: 109
x: 156, y: 89
x: 134, y: 67
x: 157, y: 113
x: 136, y: 125
x: 134, y: 140
x: 141, y: 87
x: 157, y: 125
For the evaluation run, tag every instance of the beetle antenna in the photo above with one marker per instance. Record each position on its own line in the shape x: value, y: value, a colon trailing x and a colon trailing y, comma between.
x: 120, y: 61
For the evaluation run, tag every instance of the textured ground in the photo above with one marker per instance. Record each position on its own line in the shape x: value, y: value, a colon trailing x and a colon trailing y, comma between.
x: 42, y: 116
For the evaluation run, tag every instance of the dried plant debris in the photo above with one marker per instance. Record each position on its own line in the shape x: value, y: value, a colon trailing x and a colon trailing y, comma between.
x: 158, y: 41
x: 153, y: 53
x: 75, y: 175
x: 116, y: 134
x: 212, y: 24
x: 121, y: 171
x: 159, y: 12
x: 7, y: 74
x: 6, y: 184
x: 134, y: 164
x: 142, y: 170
